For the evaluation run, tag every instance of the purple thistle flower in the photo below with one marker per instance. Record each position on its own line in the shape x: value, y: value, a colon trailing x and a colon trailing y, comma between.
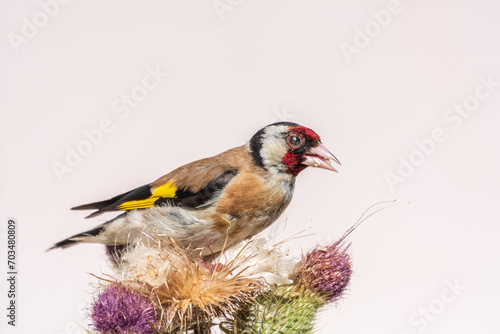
x: 326, y: 270
x: 120, y: 310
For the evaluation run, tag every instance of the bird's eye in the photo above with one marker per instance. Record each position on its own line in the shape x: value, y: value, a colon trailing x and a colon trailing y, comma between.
x: 294, y: 141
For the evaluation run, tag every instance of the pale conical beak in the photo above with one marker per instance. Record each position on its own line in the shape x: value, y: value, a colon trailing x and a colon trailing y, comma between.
x: 320, y: 157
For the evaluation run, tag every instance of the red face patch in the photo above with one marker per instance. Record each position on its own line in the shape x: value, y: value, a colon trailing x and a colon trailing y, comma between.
x: 310, y: 134
x: 292, y: 161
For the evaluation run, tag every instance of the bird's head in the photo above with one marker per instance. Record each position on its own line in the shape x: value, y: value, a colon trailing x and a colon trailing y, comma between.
x: 289, y: 148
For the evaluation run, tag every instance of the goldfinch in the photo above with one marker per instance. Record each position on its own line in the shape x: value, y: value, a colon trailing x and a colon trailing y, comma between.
x: 215, y: 202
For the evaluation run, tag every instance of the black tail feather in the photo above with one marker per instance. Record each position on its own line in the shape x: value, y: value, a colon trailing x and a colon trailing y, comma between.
x: 70, y: 241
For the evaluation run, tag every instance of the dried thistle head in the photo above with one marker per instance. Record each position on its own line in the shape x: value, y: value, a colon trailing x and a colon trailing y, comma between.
x: 188, y: 290
x: 118, y: 309
x: 260, y: 259
x: 326, y: 271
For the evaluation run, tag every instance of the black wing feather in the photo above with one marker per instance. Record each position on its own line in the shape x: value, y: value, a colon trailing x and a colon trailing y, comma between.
x: 110, y: 204
x: 208, y: 192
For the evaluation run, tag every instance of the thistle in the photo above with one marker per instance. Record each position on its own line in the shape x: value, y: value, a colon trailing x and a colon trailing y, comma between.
x: 117, y: 309
x: 325, y: 271
x: 189, y: 292
x: 321, y: 278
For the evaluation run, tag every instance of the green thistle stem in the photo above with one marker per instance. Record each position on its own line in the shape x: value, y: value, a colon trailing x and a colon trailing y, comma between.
x: 284, y: 310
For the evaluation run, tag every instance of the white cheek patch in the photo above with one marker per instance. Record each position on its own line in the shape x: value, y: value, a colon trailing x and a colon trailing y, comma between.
x: 273, y: 146
x: 273, y: 152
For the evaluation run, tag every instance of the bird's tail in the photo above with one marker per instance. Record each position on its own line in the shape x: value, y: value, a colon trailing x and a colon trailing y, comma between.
x: 80, y: 237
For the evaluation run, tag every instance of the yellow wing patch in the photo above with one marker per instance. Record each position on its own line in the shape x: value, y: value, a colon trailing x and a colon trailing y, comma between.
x: 167, y: 190
x: 141, y: 204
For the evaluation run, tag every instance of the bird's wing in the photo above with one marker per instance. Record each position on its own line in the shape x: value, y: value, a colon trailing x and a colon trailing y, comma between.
x: 192, y: 185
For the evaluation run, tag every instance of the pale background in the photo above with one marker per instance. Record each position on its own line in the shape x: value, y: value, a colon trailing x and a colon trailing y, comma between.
x: 231, y: 73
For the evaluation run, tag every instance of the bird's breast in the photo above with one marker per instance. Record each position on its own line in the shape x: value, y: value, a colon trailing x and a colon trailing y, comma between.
x: 249, y: 204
